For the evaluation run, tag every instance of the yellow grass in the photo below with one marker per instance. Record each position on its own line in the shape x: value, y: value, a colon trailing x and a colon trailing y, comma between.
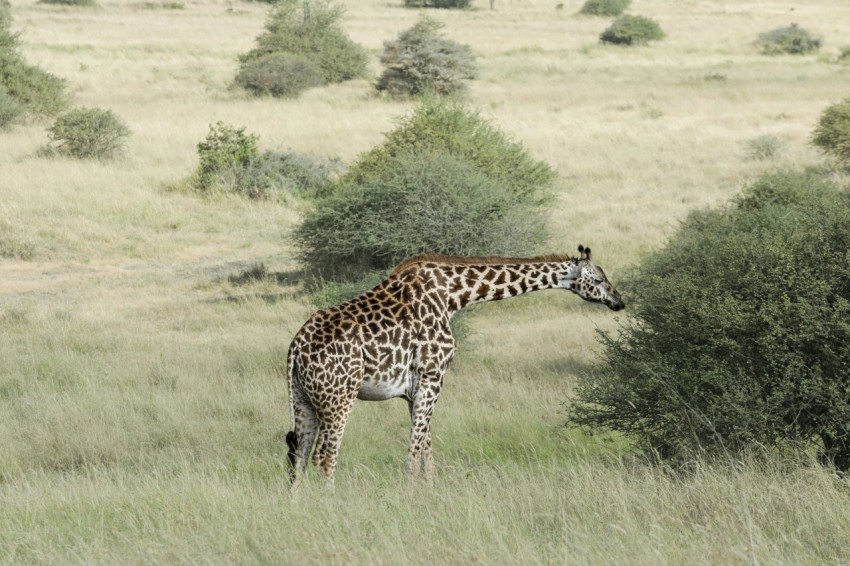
x: 142, y: 399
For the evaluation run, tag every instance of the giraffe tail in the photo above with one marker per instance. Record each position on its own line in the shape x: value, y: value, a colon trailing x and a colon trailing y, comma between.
x: 291, y: 436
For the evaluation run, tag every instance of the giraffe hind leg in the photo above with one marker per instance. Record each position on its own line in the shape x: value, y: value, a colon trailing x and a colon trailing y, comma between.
x: 300, y: 441
x: 331, y: 428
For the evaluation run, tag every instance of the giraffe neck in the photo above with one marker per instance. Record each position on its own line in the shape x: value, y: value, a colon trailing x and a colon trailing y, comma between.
x: 470, y: 283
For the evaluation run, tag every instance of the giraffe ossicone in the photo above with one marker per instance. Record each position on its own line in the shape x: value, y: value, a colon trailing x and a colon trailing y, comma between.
x: 395, y: 341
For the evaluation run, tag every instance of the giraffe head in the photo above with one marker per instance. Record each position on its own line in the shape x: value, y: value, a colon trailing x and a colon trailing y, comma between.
x: 589, y: 282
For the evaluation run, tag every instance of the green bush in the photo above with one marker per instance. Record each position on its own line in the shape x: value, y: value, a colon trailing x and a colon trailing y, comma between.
x: 38, y: 92
x: 429, y: 201
x: 223, y: 150
x: 446, y: 125
x: 88, y: 133
x: 738, y: 331
x: 457, y: 4
x: 632, y: 30
x: 791, y: 39
x: 604, y: 7
x: 282, y: 75
x: 421, y: 61
x: 11, y: 111
x: 274, y: 173
x: 832, y: 132
x: 310, y: 33
x: 231, y: 161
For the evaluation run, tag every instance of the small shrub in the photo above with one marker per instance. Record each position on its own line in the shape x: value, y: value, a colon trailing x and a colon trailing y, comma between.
x: 282, y: 75
x: 448, y: 4
x: 424, y: 202
x: 791, y: 39
x: 273, y: 173
x: 632, y: 30
x: 738, y: 332
x: 310, y: 32
x: 446, y: 125
x: 611, y: 8
x: 844, y: 55
x: 224, y: 150
x: 832, y: 132
x: 38, y: 92
x: 88, y: 133
x: 767, y: 146
x: 421, y: 61
x: 230, y: 160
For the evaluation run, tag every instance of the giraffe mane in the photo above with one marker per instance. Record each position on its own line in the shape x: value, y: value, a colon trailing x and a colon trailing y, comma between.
x: 477, y: 260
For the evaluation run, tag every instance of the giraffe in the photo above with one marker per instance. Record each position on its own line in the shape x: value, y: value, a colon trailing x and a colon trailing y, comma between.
x: 395, y: 341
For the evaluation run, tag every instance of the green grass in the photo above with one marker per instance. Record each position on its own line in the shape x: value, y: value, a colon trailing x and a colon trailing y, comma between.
x: 142, y: 400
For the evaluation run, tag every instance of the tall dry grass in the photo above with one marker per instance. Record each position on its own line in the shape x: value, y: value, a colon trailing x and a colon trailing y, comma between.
x: 142, y: 400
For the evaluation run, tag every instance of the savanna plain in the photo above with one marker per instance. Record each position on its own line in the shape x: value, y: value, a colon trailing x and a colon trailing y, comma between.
x: 143, y: 404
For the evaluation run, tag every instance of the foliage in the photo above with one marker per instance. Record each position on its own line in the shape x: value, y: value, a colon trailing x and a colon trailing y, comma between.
x: 10, y: 110
x: 224, y: 149
x: 832, y: 132
x: 632, y: 30
x: 310, y: 34
x: 458, y: 4
x: 739, y: 329
x: 38, y: 92
x: 421, y: 61
x: 446, y: 125
x: 604, y: 7
x: 274, y: 172
x: 430, y: 201
x: 88, y: 133
x: 282, y: 75
x: 70, y: 2
x: 790, y: 39
x: 230, y: 160
x: 766, y: 146
x: 843, y: 55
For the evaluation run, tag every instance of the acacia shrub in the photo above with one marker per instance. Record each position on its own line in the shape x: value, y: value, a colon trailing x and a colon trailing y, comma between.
x: 28, y: 90
x: 87, y: 133
x: 231, y: 161
x: 604, y: 7
x: 791, y: 39
x: 282, y: 75
x: 632, y: 30
x: 447, y: 125
x: 738, y: 330
x: 429, y: 201
x: 308, y: 32
x: 832, y: 132
x: 444, y: 181
x: 421, y: 61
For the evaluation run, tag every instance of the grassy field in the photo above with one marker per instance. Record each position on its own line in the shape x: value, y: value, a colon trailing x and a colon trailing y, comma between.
x: 142, y: 392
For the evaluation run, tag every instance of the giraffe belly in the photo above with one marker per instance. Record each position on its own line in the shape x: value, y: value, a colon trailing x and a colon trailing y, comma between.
x: 381, y: 389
